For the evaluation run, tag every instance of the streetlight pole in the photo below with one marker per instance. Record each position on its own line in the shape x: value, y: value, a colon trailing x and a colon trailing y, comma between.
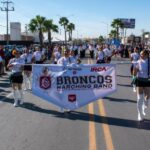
x: 106, y: 26
x: 26, y: 31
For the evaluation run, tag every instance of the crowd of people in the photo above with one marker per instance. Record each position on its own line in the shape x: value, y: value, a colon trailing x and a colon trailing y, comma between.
x: 20, y: 64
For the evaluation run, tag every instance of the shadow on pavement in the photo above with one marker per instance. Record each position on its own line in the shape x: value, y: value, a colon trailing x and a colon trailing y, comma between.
x: 83, y: 116
x: 119, y: 100
x: 6, y: 80
x: 7, y: 100
x: 123, y: 76
x: 2, y: 90
x: 127, y: 85
x: 5, y: 85
x: 75, y: 115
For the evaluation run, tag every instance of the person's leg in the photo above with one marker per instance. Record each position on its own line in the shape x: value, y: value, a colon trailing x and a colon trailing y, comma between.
x: 29, y: 79
x: 133, y: 83
x: 25, y: 80
x: 140, y: 100
x: 0, y: 68
x: 20, y: 92
x: 20, y: 82
x: 147, y: 96
x: 15, y: 95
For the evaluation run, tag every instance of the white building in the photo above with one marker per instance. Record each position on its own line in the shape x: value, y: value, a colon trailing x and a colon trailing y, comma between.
x: 36, y: 36
x: 15, y: 31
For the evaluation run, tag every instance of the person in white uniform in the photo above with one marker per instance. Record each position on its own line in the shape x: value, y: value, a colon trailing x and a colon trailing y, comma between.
x: 65, y: 60
x: 27, y: 57
x: 16, y: 78
x: 134, y: 58
x: 141, y: 70
x: 100, y: 56
x: 108, y: 54
x: 74, y: 59
x: 56, y: 55
x: 37, y: 56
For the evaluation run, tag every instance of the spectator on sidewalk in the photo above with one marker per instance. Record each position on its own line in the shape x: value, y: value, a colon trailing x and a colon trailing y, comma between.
x: 2, y: 72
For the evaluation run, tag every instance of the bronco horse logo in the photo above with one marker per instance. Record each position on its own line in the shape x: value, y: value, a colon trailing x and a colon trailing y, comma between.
x: 45, y: 82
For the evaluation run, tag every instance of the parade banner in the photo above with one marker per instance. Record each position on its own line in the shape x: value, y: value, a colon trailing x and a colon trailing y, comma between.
x: 73, y: 86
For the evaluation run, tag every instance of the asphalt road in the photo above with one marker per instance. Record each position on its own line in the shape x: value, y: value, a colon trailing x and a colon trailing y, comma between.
x: 107, y: 124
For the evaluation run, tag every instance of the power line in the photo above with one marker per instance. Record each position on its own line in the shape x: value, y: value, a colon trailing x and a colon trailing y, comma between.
x: 7, y: 9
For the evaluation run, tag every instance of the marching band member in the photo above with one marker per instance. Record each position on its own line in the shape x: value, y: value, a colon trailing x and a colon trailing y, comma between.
x: 143, y: 91
x: 27, y: 56
x: 74, y: 59
x: 100, y: 56
x: 108, y: 54
x: 16, y: 78
x: 64, y: 60
x: 134, y: 58
x: 37, y: 56
x: 56, y: 55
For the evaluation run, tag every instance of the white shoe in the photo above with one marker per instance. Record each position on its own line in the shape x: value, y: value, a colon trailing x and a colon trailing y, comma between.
x: 21, y: 102
x: 139, y: 117
x: 143, y: 110
x: 15, y: 104
x: 134, y: 89
x: 62, y: 110
x: 25, y: 89
x: 68, y: 110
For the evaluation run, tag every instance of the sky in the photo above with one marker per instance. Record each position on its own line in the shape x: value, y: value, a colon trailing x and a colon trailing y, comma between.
x: 92, y: 18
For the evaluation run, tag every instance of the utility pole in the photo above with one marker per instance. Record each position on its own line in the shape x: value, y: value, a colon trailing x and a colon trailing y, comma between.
x: 7, y: 9
x: 26, y: 31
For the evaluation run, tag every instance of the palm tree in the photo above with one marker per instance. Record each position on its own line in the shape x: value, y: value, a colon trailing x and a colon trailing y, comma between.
x: 64, y: 22
x: 101, y: 39
x: 37, y: 25
x: 117, y: 23
x: 113, y: 33
x: 50, y: 27
x: 70, y: 28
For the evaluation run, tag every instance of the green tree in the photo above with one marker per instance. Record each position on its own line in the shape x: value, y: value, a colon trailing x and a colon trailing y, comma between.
x: 37, y: 25
x: 117, y: 23
x: 70, y: 28
x: 64, y: 22
x: 101, y: 39
x: 49, y: 28
x: 113, y: 33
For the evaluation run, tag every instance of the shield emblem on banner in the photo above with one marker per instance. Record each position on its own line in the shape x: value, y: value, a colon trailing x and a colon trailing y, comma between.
x: 72, y: 98
x: 45, y: 82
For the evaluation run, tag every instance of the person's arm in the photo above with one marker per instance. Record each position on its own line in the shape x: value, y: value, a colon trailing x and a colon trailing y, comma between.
x: 131, y: 58
x: 1, y: 59
x: 10, y: 64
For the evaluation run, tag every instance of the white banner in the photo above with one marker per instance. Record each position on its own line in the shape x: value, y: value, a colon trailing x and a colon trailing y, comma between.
x: 74, y: 86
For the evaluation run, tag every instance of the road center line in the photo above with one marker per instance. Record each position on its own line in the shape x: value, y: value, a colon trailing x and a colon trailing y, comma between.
x: 92, y: 133
x: 106, y: 129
